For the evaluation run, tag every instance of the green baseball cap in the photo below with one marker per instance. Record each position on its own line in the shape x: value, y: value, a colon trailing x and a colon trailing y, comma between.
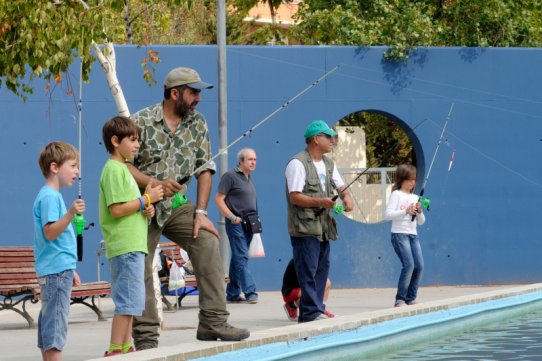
x: 185, y: 76
x: 317, y: 127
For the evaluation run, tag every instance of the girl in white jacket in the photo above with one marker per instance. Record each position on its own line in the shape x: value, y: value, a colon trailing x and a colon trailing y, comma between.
x: 402, y: 205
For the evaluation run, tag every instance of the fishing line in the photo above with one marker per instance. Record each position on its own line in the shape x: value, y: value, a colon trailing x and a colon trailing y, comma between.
x: 442, y: 84
x: 434, y: 95
x: 446, y: 85
x: 492, y: 159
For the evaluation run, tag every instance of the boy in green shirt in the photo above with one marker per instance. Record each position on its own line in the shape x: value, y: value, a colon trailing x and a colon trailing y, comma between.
x: 123, y: 219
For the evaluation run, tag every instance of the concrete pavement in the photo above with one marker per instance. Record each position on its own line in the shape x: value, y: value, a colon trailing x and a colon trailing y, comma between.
x: 89, y: 338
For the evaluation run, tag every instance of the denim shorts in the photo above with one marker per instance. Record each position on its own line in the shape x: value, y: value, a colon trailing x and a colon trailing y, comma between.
x: 55, y: 308
x: 128, y: 283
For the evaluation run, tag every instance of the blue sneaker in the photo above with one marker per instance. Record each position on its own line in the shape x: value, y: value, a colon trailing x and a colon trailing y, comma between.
x: 252, y: 298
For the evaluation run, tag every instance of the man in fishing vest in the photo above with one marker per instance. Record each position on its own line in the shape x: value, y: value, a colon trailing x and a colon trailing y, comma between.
x: 311, y: 178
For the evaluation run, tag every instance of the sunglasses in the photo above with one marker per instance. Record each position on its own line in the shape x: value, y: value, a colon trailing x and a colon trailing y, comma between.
x: 326, y: 135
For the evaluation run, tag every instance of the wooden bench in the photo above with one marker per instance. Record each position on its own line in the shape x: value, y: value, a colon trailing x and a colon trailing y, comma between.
x: 19, y: 284
x: 173, y: 252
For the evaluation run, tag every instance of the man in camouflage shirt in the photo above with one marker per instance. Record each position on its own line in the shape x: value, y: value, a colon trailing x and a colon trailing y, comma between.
x: 174, y: 144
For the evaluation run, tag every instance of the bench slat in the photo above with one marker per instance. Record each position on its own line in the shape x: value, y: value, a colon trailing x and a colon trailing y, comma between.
x: 20, y: 289
x: 92, y: 286
x: 13, y: 258
x: 16, y: 270
x: 29, y: 263
x: 6, y: 285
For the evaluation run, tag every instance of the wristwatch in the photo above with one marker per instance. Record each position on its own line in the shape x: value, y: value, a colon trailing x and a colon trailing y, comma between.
x: 201, y: 211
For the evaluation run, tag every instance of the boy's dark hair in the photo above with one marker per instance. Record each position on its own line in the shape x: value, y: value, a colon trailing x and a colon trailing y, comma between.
x: 121, y: 127
x: 403, y: 172
x: 56, y: 152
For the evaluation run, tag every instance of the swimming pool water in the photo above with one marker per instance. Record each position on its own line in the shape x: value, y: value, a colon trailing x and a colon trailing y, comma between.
x: 519, y: 338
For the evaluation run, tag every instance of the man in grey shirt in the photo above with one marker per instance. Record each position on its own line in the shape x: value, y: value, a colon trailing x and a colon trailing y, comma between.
x: 236, y: 199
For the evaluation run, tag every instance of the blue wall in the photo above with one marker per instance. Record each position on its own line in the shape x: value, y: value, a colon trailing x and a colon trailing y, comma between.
x: 483, y: 227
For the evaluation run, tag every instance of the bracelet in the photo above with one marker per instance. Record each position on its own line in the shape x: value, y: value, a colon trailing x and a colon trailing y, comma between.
x: 201, y: 211
x: 142, y: 204
x: 233, y: 217
x: 148, y: 198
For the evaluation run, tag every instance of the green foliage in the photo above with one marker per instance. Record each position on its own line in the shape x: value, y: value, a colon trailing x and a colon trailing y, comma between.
x: 44, y: 39
x: 387, y: 145
x: 405, y: 24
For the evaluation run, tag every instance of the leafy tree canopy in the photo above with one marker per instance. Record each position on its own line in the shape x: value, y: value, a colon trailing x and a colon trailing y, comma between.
x: 404, y: 24
x: 387, y: 145
x: 41, y: 38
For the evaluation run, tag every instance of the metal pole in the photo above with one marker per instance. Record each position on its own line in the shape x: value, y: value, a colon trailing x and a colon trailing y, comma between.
x: 222, y: 120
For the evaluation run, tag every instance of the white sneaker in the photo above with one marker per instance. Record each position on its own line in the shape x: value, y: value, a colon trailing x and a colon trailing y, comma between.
x: 321, y: 317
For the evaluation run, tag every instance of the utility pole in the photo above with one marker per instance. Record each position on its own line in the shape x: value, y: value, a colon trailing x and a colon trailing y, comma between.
x: 222, y: 121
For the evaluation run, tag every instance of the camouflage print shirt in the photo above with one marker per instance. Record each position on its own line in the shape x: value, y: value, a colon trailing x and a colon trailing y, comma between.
x: 166, y: 155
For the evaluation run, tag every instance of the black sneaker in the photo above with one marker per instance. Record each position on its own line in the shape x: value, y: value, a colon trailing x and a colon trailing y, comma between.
x: 236, y: 300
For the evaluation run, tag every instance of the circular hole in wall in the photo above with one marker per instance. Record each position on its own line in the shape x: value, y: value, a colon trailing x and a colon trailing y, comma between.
x: 373, y: 142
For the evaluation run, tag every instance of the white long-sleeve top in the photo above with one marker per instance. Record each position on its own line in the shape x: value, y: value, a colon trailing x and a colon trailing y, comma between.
x: 401, y: 221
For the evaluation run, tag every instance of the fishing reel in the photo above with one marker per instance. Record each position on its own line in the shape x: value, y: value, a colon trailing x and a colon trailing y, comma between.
x: 425, y: 205
x: 178, y: 200
x: 425, y: 202
x: 338, y: 209
x: 79, y: 221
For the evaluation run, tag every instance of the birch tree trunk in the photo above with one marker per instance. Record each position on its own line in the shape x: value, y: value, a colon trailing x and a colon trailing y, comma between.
x: 108, y: 62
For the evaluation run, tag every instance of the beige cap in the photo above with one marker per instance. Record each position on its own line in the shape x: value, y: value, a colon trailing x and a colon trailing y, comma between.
x: 185, y: 76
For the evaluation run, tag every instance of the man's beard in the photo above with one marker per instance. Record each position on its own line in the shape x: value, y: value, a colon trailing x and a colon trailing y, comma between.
x: 183, y: 109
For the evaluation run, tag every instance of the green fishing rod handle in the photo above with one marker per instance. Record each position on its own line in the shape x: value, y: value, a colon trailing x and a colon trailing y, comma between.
x: 79, y: 221
x: 179, y: 200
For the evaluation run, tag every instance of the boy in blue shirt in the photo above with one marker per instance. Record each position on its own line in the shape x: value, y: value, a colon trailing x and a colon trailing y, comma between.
x: 55, y: 249
x: 123, y: 219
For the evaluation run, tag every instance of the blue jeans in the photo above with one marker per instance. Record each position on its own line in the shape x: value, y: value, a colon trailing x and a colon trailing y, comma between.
x: 240, y: 277
x: 128, y: 283
x: 311, y: 260
x: 409, y: 251
x: 55, y: 308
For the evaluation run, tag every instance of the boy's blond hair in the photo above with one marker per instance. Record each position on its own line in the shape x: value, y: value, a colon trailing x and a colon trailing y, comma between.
x: 56, y: 152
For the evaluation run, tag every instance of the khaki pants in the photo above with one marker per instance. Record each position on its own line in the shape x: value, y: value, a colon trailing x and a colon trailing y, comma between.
x: 205, y: 256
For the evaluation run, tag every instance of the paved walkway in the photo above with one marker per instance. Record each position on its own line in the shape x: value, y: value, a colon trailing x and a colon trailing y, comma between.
x: 89, y: 338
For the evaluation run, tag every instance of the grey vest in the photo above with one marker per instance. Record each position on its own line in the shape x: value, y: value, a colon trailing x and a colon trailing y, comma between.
x: 302, y: 221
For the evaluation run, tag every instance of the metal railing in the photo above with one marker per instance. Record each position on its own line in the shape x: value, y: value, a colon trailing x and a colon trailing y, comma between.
x: 370, y: 193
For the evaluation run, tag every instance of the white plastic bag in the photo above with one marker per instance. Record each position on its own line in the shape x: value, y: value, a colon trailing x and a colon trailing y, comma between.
x: 256, y: 246
x: 176, y: 277
x: 156, y: 262
x: 184, y: 255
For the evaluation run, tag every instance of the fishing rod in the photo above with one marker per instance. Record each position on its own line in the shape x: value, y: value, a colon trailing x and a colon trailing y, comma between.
x: 180, y: 199
x: 424, y: 200
x: 79, y: 219
x: 340, y: 208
